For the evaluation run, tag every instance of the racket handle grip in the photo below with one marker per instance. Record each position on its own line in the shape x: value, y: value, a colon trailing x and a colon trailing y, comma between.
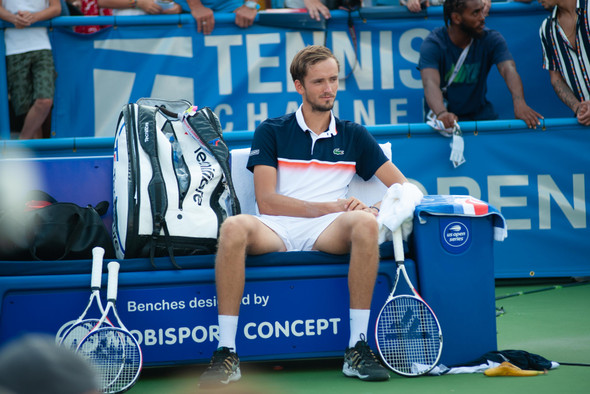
x: 398, y: 245
x: 113, y: 281
x: 97, y: 255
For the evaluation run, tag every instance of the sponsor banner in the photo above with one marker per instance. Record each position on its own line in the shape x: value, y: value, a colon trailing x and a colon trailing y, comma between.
x: 536, y: 179
x: 243, y: 74
x: 178, y: 322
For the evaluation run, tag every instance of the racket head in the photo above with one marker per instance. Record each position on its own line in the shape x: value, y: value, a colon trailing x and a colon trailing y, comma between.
x: 116, y: 356
x: 408, y: 336
x: 79, y: 330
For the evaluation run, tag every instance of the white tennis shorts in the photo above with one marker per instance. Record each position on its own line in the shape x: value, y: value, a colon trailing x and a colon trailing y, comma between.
x: 298, y: 234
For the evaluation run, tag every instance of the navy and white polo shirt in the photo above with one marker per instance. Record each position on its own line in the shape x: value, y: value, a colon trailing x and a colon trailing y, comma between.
x: 311, y: 167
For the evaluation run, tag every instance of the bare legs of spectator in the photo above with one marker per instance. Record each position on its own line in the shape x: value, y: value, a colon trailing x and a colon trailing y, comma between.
x: 35, y: 118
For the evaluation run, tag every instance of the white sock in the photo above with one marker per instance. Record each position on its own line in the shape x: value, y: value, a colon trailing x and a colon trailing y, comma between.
x: 228, y: 326
x: 359, y: 322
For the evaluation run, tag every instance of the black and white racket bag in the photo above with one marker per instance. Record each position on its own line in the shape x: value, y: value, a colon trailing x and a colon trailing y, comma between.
x: 172, y: 185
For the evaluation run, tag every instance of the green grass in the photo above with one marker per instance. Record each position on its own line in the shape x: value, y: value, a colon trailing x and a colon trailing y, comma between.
x: 552, y: 323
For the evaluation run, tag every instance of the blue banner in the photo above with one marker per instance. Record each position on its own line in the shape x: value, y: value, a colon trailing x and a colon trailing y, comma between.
x: 243, y: 74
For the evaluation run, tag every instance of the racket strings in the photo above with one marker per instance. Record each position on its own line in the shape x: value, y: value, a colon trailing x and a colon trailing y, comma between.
x: 116, y: 357
x: 408, y: 336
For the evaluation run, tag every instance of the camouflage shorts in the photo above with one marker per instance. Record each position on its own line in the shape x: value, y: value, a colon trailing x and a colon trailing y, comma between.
x: 30, y: 75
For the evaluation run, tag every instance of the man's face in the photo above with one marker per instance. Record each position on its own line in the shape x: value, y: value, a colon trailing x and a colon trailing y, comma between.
x: 548, y: 4
x: 472, y: 20
x: 320, y: 85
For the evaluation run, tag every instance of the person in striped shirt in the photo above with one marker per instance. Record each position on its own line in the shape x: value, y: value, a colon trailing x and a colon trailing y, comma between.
x: 565, y: 37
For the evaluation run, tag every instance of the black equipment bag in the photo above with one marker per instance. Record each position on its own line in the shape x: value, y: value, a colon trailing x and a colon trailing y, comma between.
x: 44, y: 229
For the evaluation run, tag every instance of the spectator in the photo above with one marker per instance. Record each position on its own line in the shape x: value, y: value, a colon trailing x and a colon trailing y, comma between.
x: 34, y: 364
x: 30, y: 71
x: 90, y: 8
x: 566, y: 43
x: 300, y: 182
x: 465, y: 89
x: 202, y: 11
x: 141, y: 7
x: 70, y: 7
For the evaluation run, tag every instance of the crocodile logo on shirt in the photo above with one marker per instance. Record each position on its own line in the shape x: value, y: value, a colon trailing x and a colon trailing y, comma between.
x: 338, y: 152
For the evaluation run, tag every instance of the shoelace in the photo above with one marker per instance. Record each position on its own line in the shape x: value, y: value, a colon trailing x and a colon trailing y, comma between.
x: 365, y: 354
x: 222, y: 361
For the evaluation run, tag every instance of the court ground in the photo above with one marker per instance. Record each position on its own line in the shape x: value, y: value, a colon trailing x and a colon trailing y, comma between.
x: 551, y: 319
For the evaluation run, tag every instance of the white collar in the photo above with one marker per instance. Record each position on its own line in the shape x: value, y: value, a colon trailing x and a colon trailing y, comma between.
x: 328, y: 133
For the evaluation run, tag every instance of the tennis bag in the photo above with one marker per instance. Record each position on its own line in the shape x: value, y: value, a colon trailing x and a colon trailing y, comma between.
x: 172, y: 185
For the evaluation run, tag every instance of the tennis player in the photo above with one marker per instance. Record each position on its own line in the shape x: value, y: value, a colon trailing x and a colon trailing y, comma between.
x: 303, y: 163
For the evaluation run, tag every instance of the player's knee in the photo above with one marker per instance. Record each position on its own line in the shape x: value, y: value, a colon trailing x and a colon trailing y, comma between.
x: 234, y: 229
x: 365, y: 226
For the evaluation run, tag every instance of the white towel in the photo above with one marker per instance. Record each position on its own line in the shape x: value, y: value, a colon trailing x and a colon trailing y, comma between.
x: 243, y: 180
x: 397, y: 209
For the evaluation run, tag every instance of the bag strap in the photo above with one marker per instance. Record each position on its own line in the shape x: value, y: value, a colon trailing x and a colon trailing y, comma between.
x: 205, y: 127
x: 146, y: 119
x: 458, y: 65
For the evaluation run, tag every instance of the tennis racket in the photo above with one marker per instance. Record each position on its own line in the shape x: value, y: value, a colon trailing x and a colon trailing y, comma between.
x: 72, y: 334
x: 408, y: 335
x: 113, y: 350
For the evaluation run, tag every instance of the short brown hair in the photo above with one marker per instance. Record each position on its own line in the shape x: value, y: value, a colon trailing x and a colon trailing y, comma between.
x: 309, y: 56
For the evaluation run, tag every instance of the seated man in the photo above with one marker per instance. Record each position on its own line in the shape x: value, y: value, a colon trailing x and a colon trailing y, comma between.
x: 464, y: 86
x: 303, y: 163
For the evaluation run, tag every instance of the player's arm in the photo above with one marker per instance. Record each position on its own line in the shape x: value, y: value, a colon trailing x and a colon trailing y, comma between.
x: 389, y: 174
x: 522, y: 111
x: 271, y: 203
x: 434, y: 96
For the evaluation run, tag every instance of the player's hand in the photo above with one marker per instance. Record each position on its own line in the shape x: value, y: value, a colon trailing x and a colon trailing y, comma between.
x: 245, y: 16
x: 529, y: 115
x: 351, y: 204
x: 204, y: 18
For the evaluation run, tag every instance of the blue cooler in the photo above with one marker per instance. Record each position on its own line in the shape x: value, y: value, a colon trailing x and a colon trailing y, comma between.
x: 453, y: 247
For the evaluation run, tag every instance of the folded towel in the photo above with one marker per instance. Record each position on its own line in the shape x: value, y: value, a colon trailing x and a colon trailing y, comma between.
x: 458, y: 205
x: 397, y: 209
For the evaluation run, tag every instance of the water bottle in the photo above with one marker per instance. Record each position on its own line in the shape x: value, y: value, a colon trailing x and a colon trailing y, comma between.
x: 179, y: 165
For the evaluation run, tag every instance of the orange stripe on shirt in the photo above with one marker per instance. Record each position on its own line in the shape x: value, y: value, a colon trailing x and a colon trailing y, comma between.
x: 316, y: 163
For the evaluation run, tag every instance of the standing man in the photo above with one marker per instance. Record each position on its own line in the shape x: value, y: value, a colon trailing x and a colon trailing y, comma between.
x: 30, y: 71
x: 465, y: 90
x: 202, y: 11
x: 303, y: 163
x: 565, y: 38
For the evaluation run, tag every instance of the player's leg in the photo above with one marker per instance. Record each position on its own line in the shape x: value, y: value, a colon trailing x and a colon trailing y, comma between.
x: 357, y: 232
x: 239, y: 235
